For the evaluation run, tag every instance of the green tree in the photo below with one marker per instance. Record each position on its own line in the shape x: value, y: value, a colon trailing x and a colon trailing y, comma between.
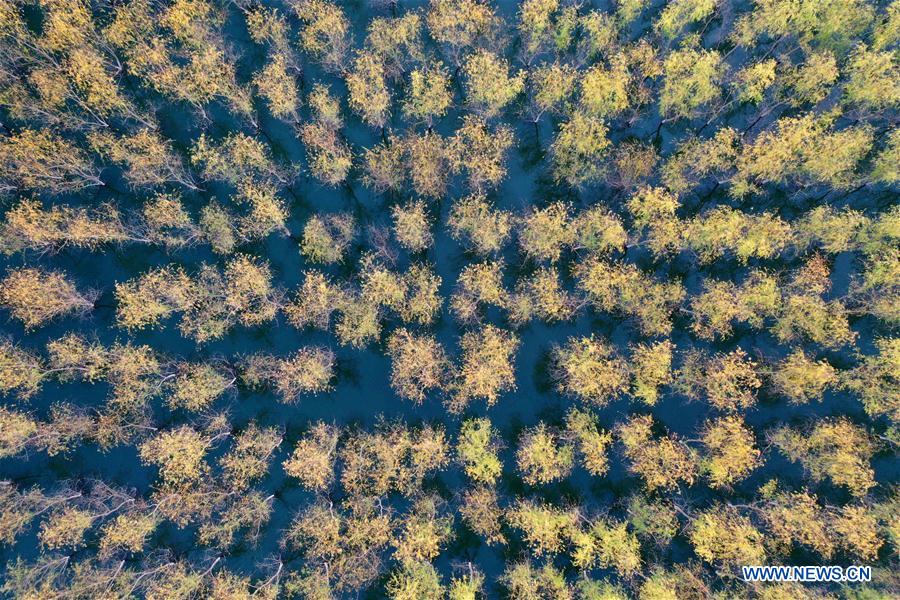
x: 477, y: 449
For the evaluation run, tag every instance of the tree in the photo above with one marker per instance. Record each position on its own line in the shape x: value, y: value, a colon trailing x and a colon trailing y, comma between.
x: 478, y: 284
x: 622, y: 288
x: 723, y: 534
x: 578, y: 150
x: 796, y: 518
x: 149, y: 159
x: 523, y: 582
x: 249, y: 458
x: 309, y: 371
x: 599, y: 230
x: 591, y: 442
x: 43, y: 161
x: 312, y: 461
x: 477, y: 449
x: 801, y: 148
x: 329, y: 156
x: 604, y: 92
x: 127, y: 533
x: 634, y: 163
x: 721, y: 303
x: 728, y: 381
x: 217, y: 227
x: 412, y: 226
x: 653, y: 210
x: 542, y: 296
x: 314, y: 302
x: 422, y: 302
x: 487, y: 366
x: 179, y: 454
x: 481, y: 152
x: 834, y: 448
x: 541, y: 457
x: 652, y: 518
x: 545, y: 232
x: 430, y: 95
x: 876, y: 379
x: 265, y: 211
x: 731, y: 452
x: 468, y: 586
x: 369, y: 95
x: 419, y: 365
x: 30, y: 226
x: 414, y: 580
x: 153, y: 297
x: 429, y: 161
x: 234, y: 159
x: 691, y: 79
x: 589, y: 369
x: 810, y: 82
x: 460, y: 25
x: 167, y: 222
x: 480, y: 510
x: 549, y: 87
x: 23, y: 371
x: 326, y: 239
x: 424, y: 529
x: 662, y: 462
x: 751, y: 82
x: 609, y: 544
x: 35, y: 296
x: 385, y: 169
x: 651, y: 368
x: 872, y: 79
x: 695, y: 159
x: 802, y: 379
x: 856, y: 529
x: 397, y: 42
x: 325, y: 33
x: 827, y: 24
x: 536, y: 26
x: 490, y: 87
x: 276, y: 84
x: 544, y: 527
x: 677, y: 15
x: 721, y: 230
x: 481, y: 228
x: 195, y: 386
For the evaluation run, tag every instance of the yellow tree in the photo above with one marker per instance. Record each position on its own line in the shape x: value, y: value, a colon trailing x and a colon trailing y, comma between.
x: 419, y: 365
x: 663, y: 462
x: 578, y: 150
x: 835, y: 449
x: 542, y: 456
x: 44, y: 161
x: 35, y: 296
x: 490, y: 87
x: 487, y: 368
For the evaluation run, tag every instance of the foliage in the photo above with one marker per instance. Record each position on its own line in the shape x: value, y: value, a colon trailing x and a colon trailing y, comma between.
x: 261, y: 263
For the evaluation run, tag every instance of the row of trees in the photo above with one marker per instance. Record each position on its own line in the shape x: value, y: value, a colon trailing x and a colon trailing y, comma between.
x: 356, y: 528
x: 579, y: 66
x: 544, y: 235
x: 589, y: 369
x: 799, y: 305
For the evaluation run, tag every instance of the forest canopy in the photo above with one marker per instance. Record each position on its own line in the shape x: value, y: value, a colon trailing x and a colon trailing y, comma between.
x: 448, y: 299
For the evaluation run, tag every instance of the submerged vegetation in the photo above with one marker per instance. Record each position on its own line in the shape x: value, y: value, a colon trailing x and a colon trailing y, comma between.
x: 448, y: 299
